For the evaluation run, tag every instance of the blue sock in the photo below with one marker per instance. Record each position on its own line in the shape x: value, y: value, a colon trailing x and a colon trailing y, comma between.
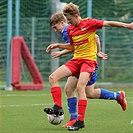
x: 72, y: 104
x: 105, y: 94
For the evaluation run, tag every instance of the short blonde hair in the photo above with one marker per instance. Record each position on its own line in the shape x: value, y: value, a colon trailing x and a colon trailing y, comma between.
x: 71, y: 9
x: 57, y: 17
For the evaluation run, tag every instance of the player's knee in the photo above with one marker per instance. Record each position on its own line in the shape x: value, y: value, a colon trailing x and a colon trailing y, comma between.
x: 90, y: 96
x: 51, y: 78
x: 80, y: 90
x: 68, y: 91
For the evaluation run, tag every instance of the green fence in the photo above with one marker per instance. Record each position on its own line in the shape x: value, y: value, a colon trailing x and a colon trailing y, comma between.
x: 35, y: 28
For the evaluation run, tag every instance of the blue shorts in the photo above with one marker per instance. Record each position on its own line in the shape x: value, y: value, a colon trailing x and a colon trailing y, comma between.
x: 94, y: 77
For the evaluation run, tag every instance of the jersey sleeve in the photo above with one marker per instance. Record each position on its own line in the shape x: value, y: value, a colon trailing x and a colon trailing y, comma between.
x: 65, y: 37
x: 95, y: 23
x: 70, y: 38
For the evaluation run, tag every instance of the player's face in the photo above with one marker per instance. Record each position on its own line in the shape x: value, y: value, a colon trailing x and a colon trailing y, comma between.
x: 58, y: 27
x: 73, y: 20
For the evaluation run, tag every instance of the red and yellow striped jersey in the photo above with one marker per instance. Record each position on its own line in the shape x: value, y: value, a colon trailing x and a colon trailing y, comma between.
x: 83, y: 38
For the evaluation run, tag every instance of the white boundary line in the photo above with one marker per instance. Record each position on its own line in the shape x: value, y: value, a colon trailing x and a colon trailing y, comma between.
x: 41, y: 104
x: 34, y: 95
x: 22, y: 95
x: 23, y: 105
x: 26, y: 105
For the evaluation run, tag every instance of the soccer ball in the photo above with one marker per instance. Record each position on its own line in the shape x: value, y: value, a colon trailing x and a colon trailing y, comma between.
x: 55, y: 119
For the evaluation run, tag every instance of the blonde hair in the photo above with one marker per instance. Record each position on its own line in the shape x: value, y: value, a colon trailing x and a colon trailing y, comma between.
x: 71, y: 9
x: 57, y: 17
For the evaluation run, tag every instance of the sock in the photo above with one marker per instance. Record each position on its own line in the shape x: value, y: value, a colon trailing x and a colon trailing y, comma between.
x: 105, y: 94
x: 57, y: 95
x: 72, y: 104
x: 81, y: 109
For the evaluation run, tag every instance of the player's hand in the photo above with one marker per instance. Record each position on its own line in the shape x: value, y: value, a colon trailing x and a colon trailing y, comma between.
x: 51, y: 46
x: 132, y: 26
x: 56, y: 54
x: 102, y: 56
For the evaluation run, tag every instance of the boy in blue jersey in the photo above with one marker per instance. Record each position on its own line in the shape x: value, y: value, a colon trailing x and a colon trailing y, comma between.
x: 59, y: 24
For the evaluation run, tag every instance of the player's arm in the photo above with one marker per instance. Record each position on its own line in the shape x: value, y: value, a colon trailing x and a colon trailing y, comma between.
x: 118, y: 24
x: 58, y: 45
x: 60, y: 53
x: 98, y: 43
x: 99, y: 53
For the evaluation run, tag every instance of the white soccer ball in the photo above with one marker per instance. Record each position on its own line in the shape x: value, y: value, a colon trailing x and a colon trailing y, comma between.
x: 55, y: 119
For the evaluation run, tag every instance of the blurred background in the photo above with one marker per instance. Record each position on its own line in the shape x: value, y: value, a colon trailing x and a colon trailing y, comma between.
x: 30, y: 19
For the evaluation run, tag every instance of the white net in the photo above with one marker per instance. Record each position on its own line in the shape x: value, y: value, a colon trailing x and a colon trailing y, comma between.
x: 116, y: 42
x: 3, y: 42
x: 36, y: 30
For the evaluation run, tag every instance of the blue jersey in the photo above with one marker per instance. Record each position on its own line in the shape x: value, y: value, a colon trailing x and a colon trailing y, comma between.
x: 65, y: 35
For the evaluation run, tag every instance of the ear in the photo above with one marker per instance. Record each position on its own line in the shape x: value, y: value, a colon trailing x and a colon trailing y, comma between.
x: 62, y: 22
x: 76, y: 15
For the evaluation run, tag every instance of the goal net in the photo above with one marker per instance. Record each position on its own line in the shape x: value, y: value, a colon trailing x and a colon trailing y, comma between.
x: 36, y: 30
x: 3, y: 42
x: 116, y: 42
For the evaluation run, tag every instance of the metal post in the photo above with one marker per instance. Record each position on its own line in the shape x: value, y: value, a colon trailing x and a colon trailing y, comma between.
x: 54, y: 39
x: 9, y: 36
x: 33, y: 37
x: 103, y: 50
x: 57, y: 6
x: 17, y: 17
x: 89, y: 8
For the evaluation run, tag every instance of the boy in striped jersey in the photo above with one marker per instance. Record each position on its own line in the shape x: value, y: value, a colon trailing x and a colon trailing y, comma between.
x: 82, y: 41
x: 59, y: 24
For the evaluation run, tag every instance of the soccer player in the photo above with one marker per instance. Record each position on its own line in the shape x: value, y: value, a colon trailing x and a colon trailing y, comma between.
x: 82, y: 41
x: 59, y: 24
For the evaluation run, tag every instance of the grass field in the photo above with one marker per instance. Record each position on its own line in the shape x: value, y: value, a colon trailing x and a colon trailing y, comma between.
x: 22, y: 112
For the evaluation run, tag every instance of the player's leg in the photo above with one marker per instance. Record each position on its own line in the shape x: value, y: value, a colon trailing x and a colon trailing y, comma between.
x: 101, y: 93
x: 71, y: 100
x: 118, y: 96
x: 82, y: 102
x: 54, y: 78
x: 70, y: 86
x: 92, y: 93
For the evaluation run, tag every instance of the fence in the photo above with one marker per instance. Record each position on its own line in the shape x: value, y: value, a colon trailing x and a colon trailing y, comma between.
x: 34, y: 27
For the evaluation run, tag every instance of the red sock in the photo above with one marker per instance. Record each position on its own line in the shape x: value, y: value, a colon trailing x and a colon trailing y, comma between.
x: 81, y: 109
x: 57, y: 95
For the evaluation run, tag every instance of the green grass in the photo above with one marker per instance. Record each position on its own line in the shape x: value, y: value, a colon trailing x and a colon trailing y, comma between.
x: 22, y: 112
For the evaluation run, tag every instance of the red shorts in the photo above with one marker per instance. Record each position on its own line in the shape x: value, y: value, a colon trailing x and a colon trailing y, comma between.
x: 77, y: 66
